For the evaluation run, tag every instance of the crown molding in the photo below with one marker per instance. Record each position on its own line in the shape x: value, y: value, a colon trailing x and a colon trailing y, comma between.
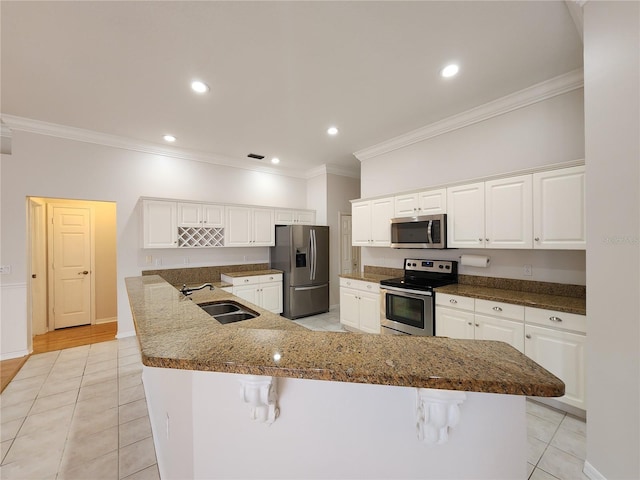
x: 333, y: 169
x: 523, y: 98
x: 12, y: 122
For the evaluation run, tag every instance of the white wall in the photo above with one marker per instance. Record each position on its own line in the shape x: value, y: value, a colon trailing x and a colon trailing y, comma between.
x: 339, y: 191
x: 546, y: 266
x: 541, y: 134
x: 47, y: 166
x: 612, y: 119
x: 317, y: 197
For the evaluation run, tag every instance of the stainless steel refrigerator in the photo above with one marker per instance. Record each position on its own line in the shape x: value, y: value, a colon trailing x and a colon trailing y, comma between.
x: 302, y: 253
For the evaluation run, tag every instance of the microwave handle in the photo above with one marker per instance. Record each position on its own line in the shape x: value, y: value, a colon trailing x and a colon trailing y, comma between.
x: 429, y: 237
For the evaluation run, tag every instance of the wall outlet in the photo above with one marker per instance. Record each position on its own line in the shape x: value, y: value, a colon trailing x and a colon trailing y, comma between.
x: 186, y: 260
x: 158, y: 262
x: 527, y: 270
x: 5, y: 269
x: 148, y: 259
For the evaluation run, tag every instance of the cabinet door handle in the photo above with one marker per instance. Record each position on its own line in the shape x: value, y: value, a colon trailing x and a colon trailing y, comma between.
x: 555, y: 319
x: 497, y: 309
x: 469, y: 323
x: 537, y: 239
x: 453, y: 300
x: 480, y: 240
x: 477, y: 324
x: 486, y: 239
x: 528, y: 335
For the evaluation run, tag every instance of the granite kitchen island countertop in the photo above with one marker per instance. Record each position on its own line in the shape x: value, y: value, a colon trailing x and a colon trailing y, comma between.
x: 174, y: 332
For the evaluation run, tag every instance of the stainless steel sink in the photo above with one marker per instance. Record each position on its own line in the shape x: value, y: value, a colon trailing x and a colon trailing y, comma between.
x: 219, y: 308
x: 228, y: 312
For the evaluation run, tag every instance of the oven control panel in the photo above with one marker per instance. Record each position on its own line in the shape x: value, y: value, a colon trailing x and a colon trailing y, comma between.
x: 422, y: 265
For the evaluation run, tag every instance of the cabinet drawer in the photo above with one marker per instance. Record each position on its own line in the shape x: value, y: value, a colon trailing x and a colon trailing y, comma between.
x: 360, y: 285
x: 251, y: 280
x: 500, y: 309
x: 560, y: 320
x: 455, y: 301
x: 274, y: 277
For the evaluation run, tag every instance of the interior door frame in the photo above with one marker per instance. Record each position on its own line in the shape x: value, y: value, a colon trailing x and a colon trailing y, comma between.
x: 92, y: 269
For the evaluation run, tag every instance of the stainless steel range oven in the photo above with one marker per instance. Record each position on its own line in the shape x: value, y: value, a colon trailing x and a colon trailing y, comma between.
x: 408, y: 302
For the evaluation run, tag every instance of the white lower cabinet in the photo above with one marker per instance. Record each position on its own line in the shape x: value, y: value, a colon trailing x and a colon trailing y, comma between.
x: 557, y: 341
x: 554, y: 340
x: 360, y: 305
x: 462, y: 317
x: 262, y: 290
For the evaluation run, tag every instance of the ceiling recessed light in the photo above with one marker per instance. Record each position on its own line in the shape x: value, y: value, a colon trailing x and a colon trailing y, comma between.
x: 275, y: 160
x: 450, y: 70
x: 332, y: 131
x: 169, y: 138
x: 199, y: 87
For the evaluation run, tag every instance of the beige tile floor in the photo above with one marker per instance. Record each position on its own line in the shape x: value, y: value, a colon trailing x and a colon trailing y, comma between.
x: 81, y: 413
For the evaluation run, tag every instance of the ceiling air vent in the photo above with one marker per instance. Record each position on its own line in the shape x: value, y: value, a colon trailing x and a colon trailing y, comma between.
x: 256, y: 156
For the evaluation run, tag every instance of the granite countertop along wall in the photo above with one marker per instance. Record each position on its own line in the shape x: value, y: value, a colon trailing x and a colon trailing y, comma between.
x: 200, y: 275
x: 175, y: 333
x: 552, y: 296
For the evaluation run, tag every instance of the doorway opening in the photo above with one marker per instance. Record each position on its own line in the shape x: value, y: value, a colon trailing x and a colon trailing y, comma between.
x: 72, y: 261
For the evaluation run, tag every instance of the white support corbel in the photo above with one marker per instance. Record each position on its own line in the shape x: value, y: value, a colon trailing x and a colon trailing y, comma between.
x: 438, y: 410
x: 260, y: 393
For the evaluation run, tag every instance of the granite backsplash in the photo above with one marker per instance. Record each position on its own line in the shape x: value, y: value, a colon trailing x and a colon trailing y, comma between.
x: 191, y: 275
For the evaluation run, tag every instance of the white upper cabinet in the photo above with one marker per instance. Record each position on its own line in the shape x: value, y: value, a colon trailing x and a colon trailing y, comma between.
x: 465, y: 216
x: 249, y: 227
x: 200, y: 215
x: 160, y: 229
x: 429, y: 202
x: 371, y: 222
x: 295, y: 217
x: 559, y: 218
x: 508, y: 213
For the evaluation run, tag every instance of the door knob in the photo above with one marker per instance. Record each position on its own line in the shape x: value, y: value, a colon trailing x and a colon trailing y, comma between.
x: 86, y: 272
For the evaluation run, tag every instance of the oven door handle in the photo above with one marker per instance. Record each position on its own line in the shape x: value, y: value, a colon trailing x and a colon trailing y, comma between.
x: 413, y: 293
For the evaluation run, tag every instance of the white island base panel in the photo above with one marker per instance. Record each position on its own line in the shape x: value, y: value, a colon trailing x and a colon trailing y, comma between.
x: 203, y: 428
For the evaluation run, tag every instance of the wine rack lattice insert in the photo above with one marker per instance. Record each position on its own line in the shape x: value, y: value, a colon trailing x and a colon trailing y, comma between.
x: 200, y: 236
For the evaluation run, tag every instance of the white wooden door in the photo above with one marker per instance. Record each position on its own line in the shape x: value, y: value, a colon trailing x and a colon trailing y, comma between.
x: 406, y: 205
x: 71, y: 237
x: 160, y: 224
x: 509, y: 212
x: 454, y: 323
x: 361, y: 223
x: 492, y: 328
x: 213, y: 215
x: 264, y: 227
x: 559, y: 216
x: 381, y: 215
x: 349, y: 307
x: 347, y: 264
x: 189, y: 214
x: 271, y: 296
x: 238, y: 227
x: 563, y: 354
x: 369, y: 312
x: 433, y: 202
x: 465, y: 216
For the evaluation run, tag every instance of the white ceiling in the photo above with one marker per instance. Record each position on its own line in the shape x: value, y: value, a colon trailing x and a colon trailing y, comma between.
x: 280, y: 72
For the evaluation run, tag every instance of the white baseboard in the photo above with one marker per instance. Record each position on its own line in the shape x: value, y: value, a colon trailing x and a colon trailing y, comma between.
x: 130, y: 333
x: 18, y: 354
x: 106, y: 320
x: 592, y: 473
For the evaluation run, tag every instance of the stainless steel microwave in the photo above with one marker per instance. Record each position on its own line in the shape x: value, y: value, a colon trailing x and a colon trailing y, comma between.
x: 426, y: 231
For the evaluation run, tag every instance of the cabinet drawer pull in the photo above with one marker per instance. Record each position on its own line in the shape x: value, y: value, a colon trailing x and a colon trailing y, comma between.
x: 469, y: 323
x: 555, y: 319
x: 477, y: 324
x: 528, y: 335
x: 246, y: 280
x: 453, y: 300
x: 497, y: 309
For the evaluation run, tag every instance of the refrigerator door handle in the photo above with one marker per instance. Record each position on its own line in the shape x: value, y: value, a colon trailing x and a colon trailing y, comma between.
x: 298, y: 289
x: 313, y: 253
